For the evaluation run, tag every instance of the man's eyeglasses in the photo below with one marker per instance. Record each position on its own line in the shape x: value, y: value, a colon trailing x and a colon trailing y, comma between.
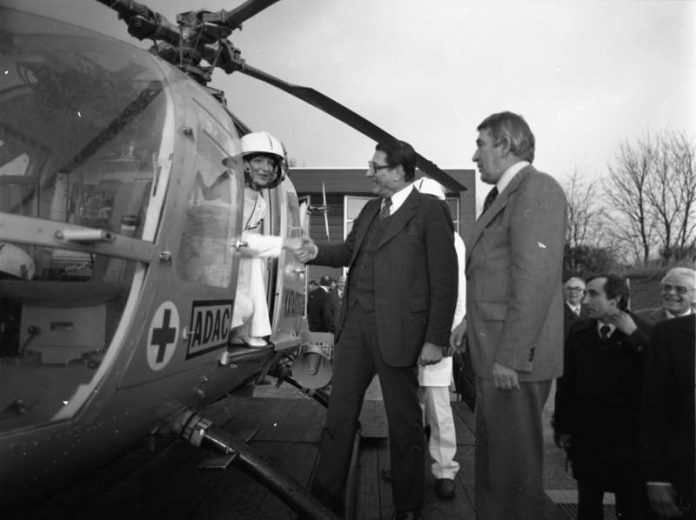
x: 374, y: 168
x: 679, y: 289
x: 575, y: 289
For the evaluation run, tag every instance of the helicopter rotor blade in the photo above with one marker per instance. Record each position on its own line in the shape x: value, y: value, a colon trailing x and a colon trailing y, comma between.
x: 352, y: 119
x: 234, y: 18
x: 326, y: 210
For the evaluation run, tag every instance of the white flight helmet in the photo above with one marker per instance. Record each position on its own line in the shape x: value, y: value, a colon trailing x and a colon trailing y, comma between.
x: 430, y: 186
x: 264, y: 143
x: 15, y: 262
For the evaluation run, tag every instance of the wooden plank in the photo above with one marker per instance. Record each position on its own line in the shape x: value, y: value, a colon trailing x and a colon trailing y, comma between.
x: 369, y: 498
x: 373, y: 420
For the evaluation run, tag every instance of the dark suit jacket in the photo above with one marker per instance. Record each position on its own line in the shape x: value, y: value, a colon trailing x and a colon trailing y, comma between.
x: 415, y: 273
x: 321, y: 311
x: 667, y: 413
x: 598, y: 401
x: 514, y: 287
x: 569, y: 317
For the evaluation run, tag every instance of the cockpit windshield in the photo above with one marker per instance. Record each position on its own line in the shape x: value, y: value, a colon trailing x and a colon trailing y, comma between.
x: 82, y: 127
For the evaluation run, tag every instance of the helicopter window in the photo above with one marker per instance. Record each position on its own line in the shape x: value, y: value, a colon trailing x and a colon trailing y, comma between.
x: 82, y: 136
x: 207, y: 252
x: 58, y: 315
x: 81, y: 127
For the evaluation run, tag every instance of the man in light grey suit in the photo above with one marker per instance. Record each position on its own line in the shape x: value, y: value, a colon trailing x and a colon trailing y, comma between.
x: 514, y: 321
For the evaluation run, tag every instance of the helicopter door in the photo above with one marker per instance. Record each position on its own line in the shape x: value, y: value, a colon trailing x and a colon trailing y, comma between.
x: 289, y: 298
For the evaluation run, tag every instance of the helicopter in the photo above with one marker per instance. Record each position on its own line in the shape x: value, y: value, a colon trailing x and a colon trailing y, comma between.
x: 117, y: 285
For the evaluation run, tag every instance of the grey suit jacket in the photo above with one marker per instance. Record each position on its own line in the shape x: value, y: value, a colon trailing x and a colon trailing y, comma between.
x: 514, y: 286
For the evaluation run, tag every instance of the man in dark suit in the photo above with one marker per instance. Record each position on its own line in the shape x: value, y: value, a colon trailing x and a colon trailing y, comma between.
x: 598, y: 398
x: 397, y: 311
x: 667, y: 418
x: 574, y: 290
x: 678, y: 296
x: 514, y: 317
x: 322, y: 307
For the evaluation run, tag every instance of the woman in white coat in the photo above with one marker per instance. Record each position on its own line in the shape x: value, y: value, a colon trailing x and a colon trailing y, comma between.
x: 264, y: 157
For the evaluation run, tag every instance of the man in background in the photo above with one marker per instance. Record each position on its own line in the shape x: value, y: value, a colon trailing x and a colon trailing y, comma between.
x: 667, y: 419
x: 322, y: 307
x: 574, y: 291
x: 678, y: 293
x: 598, y: 399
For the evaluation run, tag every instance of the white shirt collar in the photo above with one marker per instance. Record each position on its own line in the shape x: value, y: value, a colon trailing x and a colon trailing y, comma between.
x: 575, y: 308
x: 399, y: 198
x: 672, y: 315
x: 509, y: 174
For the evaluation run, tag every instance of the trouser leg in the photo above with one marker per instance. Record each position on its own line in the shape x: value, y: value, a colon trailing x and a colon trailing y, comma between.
x: 353, y: 371
x: 442, y: 444
x: 631, y: 500
x: 406, y: 439
x: 590, y: 497
x: 509, y: 451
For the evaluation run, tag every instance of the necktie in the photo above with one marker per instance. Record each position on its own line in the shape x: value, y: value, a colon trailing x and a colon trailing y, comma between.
x: 604, y: 332
x: 386, y: 204
x: 489, y: 199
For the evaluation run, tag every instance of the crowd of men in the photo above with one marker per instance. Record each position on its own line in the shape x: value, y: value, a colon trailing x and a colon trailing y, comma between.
x: 624, y: 407
x: 625, y: 381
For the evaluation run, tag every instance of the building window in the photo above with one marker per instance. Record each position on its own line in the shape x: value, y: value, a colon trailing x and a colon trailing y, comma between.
x: 353, y: 206
x: 453, y: 203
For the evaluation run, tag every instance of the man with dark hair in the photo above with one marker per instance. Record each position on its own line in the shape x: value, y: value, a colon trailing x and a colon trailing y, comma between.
x: 396, y: 312
x: 667, y: 419
x: 514, y: 317
x: 598, y: 399
x: 322, y: 307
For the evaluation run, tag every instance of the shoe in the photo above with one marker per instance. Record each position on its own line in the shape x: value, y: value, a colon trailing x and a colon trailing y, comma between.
x: 254, y: 342
x: 444, y: 487
x: 408, y: 515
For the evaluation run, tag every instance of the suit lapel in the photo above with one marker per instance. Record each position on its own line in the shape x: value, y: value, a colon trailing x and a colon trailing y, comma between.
x: 498, y: 205
x: 371, y: 211
x: 399, y: 219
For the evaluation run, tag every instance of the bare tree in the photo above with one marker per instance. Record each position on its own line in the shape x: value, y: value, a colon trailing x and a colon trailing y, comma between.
x: 585, y: 212
x: 628, y: 193
x: 682, y: 154
x: 652, y: 189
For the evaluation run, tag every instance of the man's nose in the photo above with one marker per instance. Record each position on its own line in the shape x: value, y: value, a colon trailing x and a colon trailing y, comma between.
x: 475, y: 156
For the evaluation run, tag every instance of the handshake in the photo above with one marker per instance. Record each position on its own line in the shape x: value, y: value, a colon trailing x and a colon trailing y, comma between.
x: 304, y: 248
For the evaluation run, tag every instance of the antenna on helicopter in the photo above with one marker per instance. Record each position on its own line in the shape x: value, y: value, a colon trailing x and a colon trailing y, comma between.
x: 326, y: 210
x: 202, y: 35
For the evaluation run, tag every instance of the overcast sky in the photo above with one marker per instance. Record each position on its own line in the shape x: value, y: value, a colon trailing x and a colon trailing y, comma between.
x: 585, y: 74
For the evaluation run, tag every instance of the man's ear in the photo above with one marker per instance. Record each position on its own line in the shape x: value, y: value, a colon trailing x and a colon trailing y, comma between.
x: 504, y: 146
x: 399, y: 170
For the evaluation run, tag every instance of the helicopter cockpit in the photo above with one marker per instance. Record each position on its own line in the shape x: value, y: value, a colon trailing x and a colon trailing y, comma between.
x: 82, y: 134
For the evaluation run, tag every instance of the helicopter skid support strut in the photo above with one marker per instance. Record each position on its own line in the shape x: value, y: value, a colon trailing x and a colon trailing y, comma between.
x: 202, y: 433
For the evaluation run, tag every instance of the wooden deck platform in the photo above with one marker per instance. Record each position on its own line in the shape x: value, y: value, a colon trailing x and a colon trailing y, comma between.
x: 167, y: 482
